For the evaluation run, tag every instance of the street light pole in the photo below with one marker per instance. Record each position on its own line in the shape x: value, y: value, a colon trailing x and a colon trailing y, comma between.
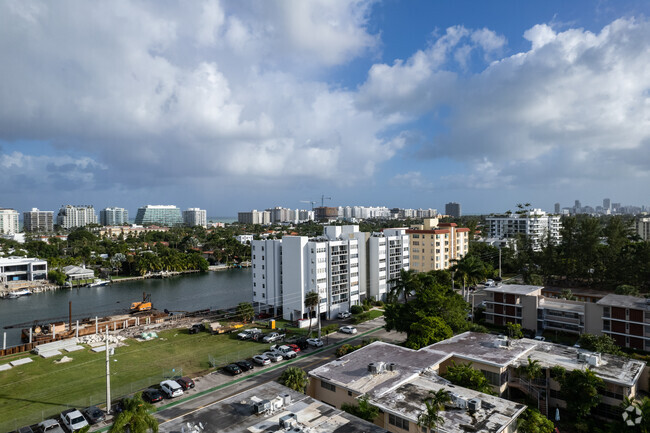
x: 108, y: 377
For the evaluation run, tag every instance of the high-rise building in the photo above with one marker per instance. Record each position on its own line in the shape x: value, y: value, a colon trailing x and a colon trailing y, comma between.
x: 643, y: 228
x: 194, y: 216
x: 453, y: 209
x: 38, y: 220
x: 534, y: 224
x: 76, y: 216
x: 9, y: 223
x: 113, y: 216
x: 435, y: 246
x: 161, y: 215
x: 607, y: 204
x: 324, y: 213
x: 335, y: 265
x: 254, y: 217
x: 557, y: 209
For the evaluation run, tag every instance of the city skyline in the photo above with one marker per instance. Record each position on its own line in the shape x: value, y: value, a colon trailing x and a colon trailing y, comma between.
x: 234, y: 106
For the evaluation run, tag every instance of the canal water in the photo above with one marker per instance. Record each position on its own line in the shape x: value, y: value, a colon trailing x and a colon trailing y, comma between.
x: 189, y: 292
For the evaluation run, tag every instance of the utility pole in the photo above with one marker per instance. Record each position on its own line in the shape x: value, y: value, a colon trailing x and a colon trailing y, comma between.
x: 499, y: 261
x: 108, y: 377
x: 319, y: 317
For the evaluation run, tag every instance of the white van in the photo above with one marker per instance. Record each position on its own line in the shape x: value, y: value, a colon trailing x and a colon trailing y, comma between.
x: 171, y: 388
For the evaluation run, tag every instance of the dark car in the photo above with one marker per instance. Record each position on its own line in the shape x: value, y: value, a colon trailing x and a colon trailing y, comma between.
x: 94, y: 414
x: 117, y: 407
x: 195, y: 329
x: 185, y: 383
x: 244, y: 365
x: 302, y: 343
x: 152, y: 395
x: 232, y: 369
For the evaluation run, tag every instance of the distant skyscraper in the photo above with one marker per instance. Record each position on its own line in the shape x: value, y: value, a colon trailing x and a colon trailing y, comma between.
x: 607, y: 204
x: 38, y: 220
x: 76, y: 216
x: 9, y: 221
x: 578, y: 205
x: 159, y: 215
x: 453, y: 209
x: 195, y: 217
x: 113, y: 216
x: 557, y: 208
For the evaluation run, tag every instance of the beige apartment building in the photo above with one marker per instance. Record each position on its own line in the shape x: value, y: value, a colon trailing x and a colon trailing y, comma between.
x: 434, y: 246
x: 397, y: 380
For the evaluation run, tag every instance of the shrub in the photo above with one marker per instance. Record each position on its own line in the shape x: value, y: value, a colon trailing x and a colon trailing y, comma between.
x: 343, y: 350
x: 379, y: 303
x: 356, y: 309
x: 329, y: 329
x: 366, y: 307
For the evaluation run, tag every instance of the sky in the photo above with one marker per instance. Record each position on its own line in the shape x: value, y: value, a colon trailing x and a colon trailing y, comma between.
x: 237, y: 105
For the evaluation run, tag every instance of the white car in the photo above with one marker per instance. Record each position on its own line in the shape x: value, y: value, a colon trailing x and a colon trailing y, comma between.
x: 50, y: 426
x: 348, y: 329
x: 73, y: 420
x: 315, y: 342
x: 273, y: 356
x: 171, y: 388
x: 261, y: 359
x: 286, y: 352
x: 344, y: 314
x: 539, y: 338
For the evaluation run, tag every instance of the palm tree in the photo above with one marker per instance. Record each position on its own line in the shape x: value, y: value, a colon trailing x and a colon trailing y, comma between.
x: 439, y: 398
x: 311, y: 300
x: 294, y: 378
x: 470, y: 270
x: 531, y: 371
x: 136, y: 417
x: 402, y: 285
x: 430, y: 418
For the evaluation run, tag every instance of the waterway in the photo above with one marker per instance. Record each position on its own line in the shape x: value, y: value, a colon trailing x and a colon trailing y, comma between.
x: 190, y: 292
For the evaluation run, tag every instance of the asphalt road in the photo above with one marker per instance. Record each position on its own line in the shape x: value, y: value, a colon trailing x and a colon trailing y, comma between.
x: 218, y: 386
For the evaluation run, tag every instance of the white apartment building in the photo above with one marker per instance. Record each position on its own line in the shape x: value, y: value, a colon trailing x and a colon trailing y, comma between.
x: 254, y: 217
x: 194, y: 216
x: 76, y: 216
x: 643, y: 228
x: 113, y: 216
x: 244, y: 239
x: 534, y: 224
x: 38, y: 220
x: 9, y: 221
x: 336, y: 266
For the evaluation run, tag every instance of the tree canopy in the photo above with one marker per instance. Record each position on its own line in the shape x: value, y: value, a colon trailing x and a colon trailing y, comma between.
x: 464, y: 375
x: 136, y: 417
x: 533, y: 421
x: 295, y: 378
x: 599, y: 343
x: 580, y: 390
x: 363, y: 410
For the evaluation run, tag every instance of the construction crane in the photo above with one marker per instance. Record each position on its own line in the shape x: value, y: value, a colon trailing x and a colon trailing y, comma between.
x: 307, y: 201
x: 322, y: 200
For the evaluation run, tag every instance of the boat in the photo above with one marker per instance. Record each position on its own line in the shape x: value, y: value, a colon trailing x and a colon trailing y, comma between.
x: 19, y: 293
x: 98, y: 283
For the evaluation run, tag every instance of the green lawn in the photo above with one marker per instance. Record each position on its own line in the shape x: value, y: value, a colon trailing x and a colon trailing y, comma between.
x: 41, y: 389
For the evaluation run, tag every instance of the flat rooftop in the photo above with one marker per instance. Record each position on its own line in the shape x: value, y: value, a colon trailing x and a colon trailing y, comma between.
x: 623, y: 301
x: 485, y: 348
x: 407, y: 401
x: 562, y: 305
x: 236, y: 415
x: 516, y: 289
x: 351, y: 371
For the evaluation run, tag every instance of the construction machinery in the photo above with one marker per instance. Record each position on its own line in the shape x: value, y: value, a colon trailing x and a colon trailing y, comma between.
x: 145, y: 305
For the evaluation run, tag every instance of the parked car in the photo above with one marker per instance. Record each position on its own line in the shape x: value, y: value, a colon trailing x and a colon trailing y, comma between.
x: 489, y: 283
x: 315, y: 342
x: 171, y: 388
x: 196, y: 328
x: 344, y: 314
x: 152, y: 395
x: 248, y: 333
x: 94, y: 414
x: 73, y: 420
x: 50, y: 426
x: 286, y: 352
x: 262, y: 359
x: 294, y: 347
x: 26, y: 429
x: 300, y: 342
x: 244, y: 365
x: 232, y: 369
x: 273, y: 336
x: 540, y: 338
x: 273, y: 356
x: 185, y: 383
x: 348, y: 329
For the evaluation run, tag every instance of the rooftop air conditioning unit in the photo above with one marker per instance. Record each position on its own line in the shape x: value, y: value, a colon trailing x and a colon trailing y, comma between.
x: 593, y: 359
x: 289, y: 421
x: 392, y: 366
x: 286, y: 398
x: 376, y: 367
x: 262, y: 406
x: 474, y: 404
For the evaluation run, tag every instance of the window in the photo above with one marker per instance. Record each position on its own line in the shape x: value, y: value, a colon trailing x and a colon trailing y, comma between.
x: 398, y: 422
x: 328, y: 386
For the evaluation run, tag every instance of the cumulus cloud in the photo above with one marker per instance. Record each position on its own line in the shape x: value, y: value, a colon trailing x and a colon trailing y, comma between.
x: 412, y: 180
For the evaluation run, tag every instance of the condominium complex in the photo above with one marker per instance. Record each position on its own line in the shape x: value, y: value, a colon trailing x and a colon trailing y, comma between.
x: 194, y: 217
x: 534, y: 224
x: 275, y: 215
x: 336, y: 266
x: 434, y: 246
x: 398, y: 381
x: 113, y: 216
x: 9, y: 221
x: 453, y: 210
x: 643, y: 228
x: 625, y: 318
x: 168, y: 216
x: 76, y: 216
x: 38, y: 220
x: 254, y: 217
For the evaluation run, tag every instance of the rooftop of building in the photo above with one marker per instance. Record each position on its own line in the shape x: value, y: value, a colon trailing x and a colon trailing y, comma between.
x: 515, y: 289
x: 351, y: 371
x: 237, y: 414
x: 489, y: 349
x: 13, y: 260
x: 562, y: 304
x: 624, y: 301
x: 407, y: 401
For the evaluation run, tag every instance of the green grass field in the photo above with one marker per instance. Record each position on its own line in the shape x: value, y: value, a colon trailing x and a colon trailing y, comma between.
x: 39, y: 390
